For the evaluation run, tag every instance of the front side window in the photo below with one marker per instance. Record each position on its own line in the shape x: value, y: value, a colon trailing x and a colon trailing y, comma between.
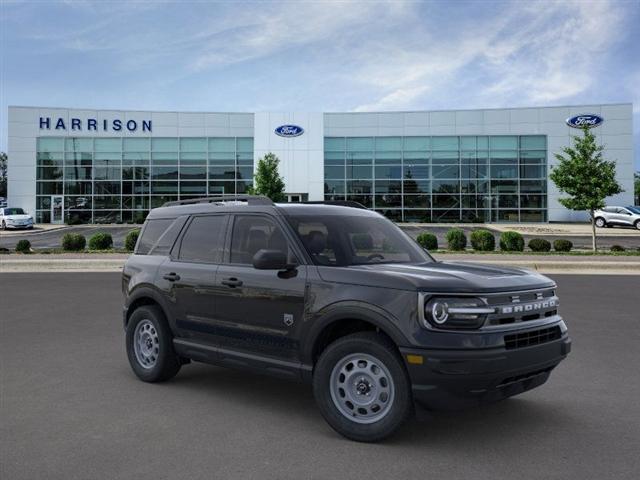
x: 204, y: 239
x: 336, y: 240
x: 252, y: 233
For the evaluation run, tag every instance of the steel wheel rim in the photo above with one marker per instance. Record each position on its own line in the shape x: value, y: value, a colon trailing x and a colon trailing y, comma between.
x: 362, y: 388
x: 146, y: 344
x: 599, y: 223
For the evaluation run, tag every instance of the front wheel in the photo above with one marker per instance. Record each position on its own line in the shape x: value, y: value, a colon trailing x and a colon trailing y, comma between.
x: 362, y: 388
x: 3, y: 226
x: 150, y: 345
x: 600, y: 223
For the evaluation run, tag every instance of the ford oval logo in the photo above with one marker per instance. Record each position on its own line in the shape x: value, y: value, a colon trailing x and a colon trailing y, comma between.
x: 289, y: 131
x: 587, y: 120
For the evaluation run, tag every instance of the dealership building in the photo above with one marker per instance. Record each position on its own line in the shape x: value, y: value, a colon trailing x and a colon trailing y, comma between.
x: 492, y: 165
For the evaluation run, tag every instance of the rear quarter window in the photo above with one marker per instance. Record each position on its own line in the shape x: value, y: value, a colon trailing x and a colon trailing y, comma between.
x: 159, y: 235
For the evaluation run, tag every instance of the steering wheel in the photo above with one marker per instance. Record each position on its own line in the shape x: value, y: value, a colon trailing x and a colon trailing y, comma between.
x: 375, y: 255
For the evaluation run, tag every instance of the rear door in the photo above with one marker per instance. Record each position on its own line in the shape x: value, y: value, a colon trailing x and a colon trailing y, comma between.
x: 259, y: 311
x: 188, y: 275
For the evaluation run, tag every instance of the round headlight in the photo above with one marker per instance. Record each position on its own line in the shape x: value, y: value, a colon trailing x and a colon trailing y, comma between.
x: 439, y: 312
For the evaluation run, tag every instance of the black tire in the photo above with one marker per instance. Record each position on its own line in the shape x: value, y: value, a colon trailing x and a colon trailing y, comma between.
x: 382, y: 349
x: 637, y: 224
x: 602, y: 221
x: 4, y: 225
x: 167, y: 363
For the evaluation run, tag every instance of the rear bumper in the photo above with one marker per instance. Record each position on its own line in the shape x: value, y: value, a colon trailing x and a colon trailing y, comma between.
x: 452, y: 379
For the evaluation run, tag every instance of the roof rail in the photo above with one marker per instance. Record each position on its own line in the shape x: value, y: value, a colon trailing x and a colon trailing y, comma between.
x: 339, y: 203
x: 250, y: 199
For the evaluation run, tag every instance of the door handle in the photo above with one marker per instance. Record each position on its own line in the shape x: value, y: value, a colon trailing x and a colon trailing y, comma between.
x: 232, y: 282
x: 172, y: 277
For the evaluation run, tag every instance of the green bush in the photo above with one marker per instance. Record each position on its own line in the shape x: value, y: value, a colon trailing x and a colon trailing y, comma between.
x: 73, y: 242
x: 456, y: 239
x: 511, y: 242
x: 562, y: 245
x: 131, y: 239
x: 23, y: 246
x: 483, y: 240
x: 427, y: 240
x: 540, y: 245
x: 100, y: 241
x: 617, y: 248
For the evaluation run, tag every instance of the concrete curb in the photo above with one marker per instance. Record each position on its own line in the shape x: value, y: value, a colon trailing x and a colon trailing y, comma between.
x: 27, y: 265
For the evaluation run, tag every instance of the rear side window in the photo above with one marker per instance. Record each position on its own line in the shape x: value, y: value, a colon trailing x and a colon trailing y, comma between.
x: 204, y: 239
x: 159, y: 235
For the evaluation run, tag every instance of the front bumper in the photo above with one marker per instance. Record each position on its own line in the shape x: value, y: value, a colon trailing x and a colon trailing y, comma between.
x: 452, y: 379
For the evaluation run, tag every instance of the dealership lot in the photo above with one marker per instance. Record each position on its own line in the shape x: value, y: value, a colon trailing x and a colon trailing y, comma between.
x: 72, y: 409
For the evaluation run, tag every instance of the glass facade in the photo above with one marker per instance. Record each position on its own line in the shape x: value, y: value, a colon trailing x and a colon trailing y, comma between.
x: 110, y: 180
x: 500, y: 178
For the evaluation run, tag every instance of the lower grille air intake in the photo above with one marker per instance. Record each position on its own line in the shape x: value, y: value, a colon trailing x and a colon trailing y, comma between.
x: 535, y: 337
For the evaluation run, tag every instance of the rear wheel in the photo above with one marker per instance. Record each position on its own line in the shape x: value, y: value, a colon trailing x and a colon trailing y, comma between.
x: 150, y: 345
x: 637, y: 224
x: 362, y: 388
x: 3, y: 226
x: 600, y: 222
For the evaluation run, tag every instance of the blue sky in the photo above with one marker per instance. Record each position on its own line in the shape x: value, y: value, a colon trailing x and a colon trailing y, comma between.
x: 318, y: 56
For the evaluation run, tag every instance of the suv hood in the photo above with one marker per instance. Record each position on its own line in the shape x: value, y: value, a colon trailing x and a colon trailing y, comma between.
x: 452, y: 277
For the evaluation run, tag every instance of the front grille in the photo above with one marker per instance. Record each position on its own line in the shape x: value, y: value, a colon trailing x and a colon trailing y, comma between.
x: 522, y: 306
x: 535, y: 337
x: 523, y: 377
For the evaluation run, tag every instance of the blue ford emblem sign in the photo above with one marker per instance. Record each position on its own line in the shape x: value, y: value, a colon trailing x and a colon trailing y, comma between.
x: 289, y: 131
x: 587, y: 120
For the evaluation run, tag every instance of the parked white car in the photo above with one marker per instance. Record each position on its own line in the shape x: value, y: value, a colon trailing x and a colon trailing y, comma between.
x: 15, y: 218
x: 621, y: 216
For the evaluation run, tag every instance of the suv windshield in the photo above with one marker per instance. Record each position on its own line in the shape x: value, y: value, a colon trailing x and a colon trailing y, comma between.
x: 336, y: 240
x: 635, y: 210
x: 13, y: 211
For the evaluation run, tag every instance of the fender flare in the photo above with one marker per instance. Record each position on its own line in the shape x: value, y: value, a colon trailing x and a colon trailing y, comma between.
x: 145, y: 291
x: 351, y: 310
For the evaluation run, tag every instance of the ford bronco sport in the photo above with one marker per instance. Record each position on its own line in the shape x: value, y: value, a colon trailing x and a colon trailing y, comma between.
x: 337, y: 296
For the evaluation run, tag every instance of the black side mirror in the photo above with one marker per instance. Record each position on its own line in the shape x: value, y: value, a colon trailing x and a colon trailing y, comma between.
x: 270, y: 260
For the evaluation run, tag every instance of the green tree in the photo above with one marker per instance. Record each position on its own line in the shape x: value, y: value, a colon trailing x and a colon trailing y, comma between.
x: 3, y: 174
x: 267, y: 181
x: 636, y: 187
x: 585, y: 177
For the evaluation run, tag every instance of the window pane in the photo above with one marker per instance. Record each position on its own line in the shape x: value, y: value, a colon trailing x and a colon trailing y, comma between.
x: 383, y: 172
x: 334, y: 172
x: 138, y: 144
x: 203, y: 240
x: 417, y: 143
x: 193, y: 173
x: 78, y: 144
x: 449, y: 171
x: 193, y: 145
x: 222, y: 187
x: 445, y: 186
x: 334, y: 158
x: 222, y: 144
x: 359, y: 143
x: 193, y: 188
x: 50, y: 144
x: 444, y: 143
x: 388, y: 186
x: 334, y: 186
x: 108, y: 144
x: 504, y: 142
x: 360, y: 187
x: 334, y: 144
x: 151, y: 232
x: 359, y: 172
x: 244, y: 145
x: 253, y: 233
x: 533, y: 142
x: 164, y: 173
x: 49, y: 173
x: 468, y: 143
x: 388, y: 143
x: 219, y: 173
x: 164, y: 144
x: 504, y: 171
x: 416, y: 171
x: 359, y: 158
x: 388, y: 158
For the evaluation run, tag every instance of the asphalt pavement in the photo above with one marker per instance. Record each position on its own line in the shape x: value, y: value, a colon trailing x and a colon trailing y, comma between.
x: 70, y: 407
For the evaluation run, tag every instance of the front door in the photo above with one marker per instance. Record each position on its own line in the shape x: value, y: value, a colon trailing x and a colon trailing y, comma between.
x: 260, y: 311
x: 57, y: 209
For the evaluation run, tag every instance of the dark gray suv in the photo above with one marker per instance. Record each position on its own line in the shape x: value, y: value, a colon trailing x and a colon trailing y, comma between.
x: 338, y: 296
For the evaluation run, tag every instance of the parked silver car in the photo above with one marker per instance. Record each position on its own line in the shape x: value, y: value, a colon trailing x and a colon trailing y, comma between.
x: 15, y: 218
x: 621, y: 216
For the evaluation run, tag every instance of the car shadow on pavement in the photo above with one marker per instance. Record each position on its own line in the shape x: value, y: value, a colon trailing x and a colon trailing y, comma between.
x: 513, y: 419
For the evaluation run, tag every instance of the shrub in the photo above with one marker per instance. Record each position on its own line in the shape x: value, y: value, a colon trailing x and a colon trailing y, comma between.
x: 100, y: 241
x: 562, y: 245
x: 23, y: 246
x: 617, y: 248
x: 483, y: 240
x: 427, y: 240
x: 73, y: 242
x: 456, y: 239
x: 511, y: 242
x: 540, y: 245
x: 131, y: 239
